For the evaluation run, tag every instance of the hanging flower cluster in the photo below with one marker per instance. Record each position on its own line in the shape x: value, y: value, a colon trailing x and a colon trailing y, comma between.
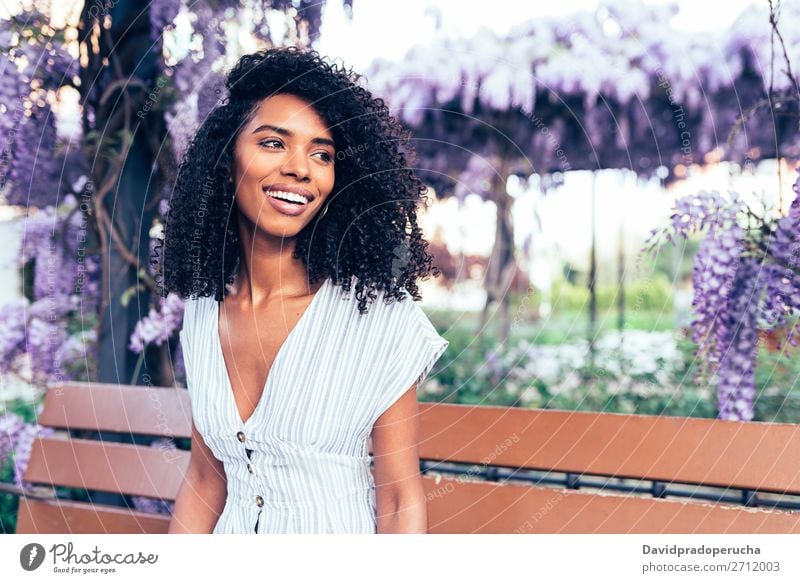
x: 746, y: 278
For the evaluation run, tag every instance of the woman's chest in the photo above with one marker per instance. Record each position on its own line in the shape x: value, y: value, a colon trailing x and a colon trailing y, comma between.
x: 319, y: 390
x: 250, y: 347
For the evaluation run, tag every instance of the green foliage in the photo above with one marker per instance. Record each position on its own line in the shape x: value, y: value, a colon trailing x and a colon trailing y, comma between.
x: 778, y: 393
x: 8, y: 503
x: 675, y: 261
x: 24, y: 409
x: 654, y: 293
x: 465, y: 375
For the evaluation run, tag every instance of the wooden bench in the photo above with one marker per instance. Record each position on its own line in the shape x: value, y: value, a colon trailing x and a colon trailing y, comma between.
x: 486, y: 468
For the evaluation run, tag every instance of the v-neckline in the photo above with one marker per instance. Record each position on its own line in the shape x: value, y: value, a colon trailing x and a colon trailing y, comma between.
x: 275, y: 362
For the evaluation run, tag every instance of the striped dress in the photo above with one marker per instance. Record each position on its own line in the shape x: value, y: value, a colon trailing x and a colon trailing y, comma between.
x: 300, y: 463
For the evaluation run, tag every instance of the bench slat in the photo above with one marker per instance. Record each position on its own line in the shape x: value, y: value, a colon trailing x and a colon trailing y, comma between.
x: 110, y: 467
x: 755, y: 456
x: 65, y: 517
x: 157, y: 411
x: 488, y: 508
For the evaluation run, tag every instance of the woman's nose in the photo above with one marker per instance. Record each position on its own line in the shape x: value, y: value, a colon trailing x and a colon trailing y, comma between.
x: 295, y: 165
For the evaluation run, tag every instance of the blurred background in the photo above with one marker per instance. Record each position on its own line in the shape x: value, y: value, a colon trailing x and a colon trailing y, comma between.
x: 613, y: 192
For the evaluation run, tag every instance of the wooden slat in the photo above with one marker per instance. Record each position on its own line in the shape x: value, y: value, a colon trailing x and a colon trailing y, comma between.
x: 157, y: 411
x: 756, y: 456
x: 488, y: 508
x: 65, y: 517
x: 110, y: 467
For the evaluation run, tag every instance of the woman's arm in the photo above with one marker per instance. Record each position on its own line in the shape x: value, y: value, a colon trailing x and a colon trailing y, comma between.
x: 399, y: 493
x: 202, y: 494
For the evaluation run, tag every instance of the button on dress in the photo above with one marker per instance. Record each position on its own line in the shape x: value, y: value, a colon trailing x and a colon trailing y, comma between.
x: 300, y: 463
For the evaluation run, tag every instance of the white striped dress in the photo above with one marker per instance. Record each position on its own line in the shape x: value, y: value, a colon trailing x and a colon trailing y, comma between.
x: 300, y: 463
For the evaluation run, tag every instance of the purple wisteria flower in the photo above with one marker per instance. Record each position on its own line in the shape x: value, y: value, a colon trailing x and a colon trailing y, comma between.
x: 162, y: 13
x: 159, y: 325
x: 713, y: 273
x: 16, y: 443
x: 12, y: 333
x: 23, y: 447
x: 743, y: 282
x: 11, y: 425
x: 738, y: 334
x: 40, y: 335
x: 783, y: 278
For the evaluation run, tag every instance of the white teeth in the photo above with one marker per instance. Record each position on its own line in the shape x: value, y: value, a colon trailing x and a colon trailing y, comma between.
x: 290, y: 196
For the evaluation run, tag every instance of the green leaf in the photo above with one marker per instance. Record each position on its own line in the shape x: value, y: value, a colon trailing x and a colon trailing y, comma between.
x: 128, y: 294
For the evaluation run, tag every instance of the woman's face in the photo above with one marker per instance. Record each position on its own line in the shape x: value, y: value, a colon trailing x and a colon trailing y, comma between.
x: 284, y: 152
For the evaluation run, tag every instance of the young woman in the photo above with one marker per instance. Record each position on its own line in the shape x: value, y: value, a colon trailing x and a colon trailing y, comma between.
x: 293, y: 236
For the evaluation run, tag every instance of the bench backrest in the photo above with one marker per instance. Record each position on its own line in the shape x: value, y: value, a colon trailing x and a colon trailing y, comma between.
x: 666, y: 450
x: 747, y: 456
x: 137, y: 470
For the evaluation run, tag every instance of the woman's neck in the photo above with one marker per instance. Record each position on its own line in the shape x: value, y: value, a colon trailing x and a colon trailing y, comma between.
x: 267, y: 270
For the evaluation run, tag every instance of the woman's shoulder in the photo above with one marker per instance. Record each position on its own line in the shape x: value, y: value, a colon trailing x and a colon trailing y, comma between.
x: 194, y: 308
x: 192, y: 303
x: 385, y: 311
x: 404, y: 314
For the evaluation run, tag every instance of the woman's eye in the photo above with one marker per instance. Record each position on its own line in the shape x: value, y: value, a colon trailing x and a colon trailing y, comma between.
x: 265, y: 142
x: 325, y: 156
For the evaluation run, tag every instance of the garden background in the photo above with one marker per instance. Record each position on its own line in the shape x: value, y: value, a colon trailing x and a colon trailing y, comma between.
x: 614, y: 193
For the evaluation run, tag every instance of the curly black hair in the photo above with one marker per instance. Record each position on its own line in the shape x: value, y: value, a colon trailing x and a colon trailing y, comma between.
x: 370, y: 230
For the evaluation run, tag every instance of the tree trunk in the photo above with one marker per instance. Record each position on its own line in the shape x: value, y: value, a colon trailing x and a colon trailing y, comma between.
x: 126, y: 46
x: 123, y: 53
x: 501, y: 264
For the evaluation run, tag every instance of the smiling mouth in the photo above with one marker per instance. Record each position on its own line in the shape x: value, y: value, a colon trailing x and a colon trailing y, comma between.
x: 289, y: 197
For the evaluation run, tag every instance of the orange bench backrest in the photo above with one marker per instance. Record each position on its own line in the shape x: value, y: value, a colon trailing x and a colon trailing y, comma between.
x: 752, y: 456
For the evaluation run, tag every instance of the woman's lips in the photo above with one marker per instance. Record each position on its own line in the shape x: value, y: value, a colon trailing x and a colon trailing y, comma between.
x: 286, y: 208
